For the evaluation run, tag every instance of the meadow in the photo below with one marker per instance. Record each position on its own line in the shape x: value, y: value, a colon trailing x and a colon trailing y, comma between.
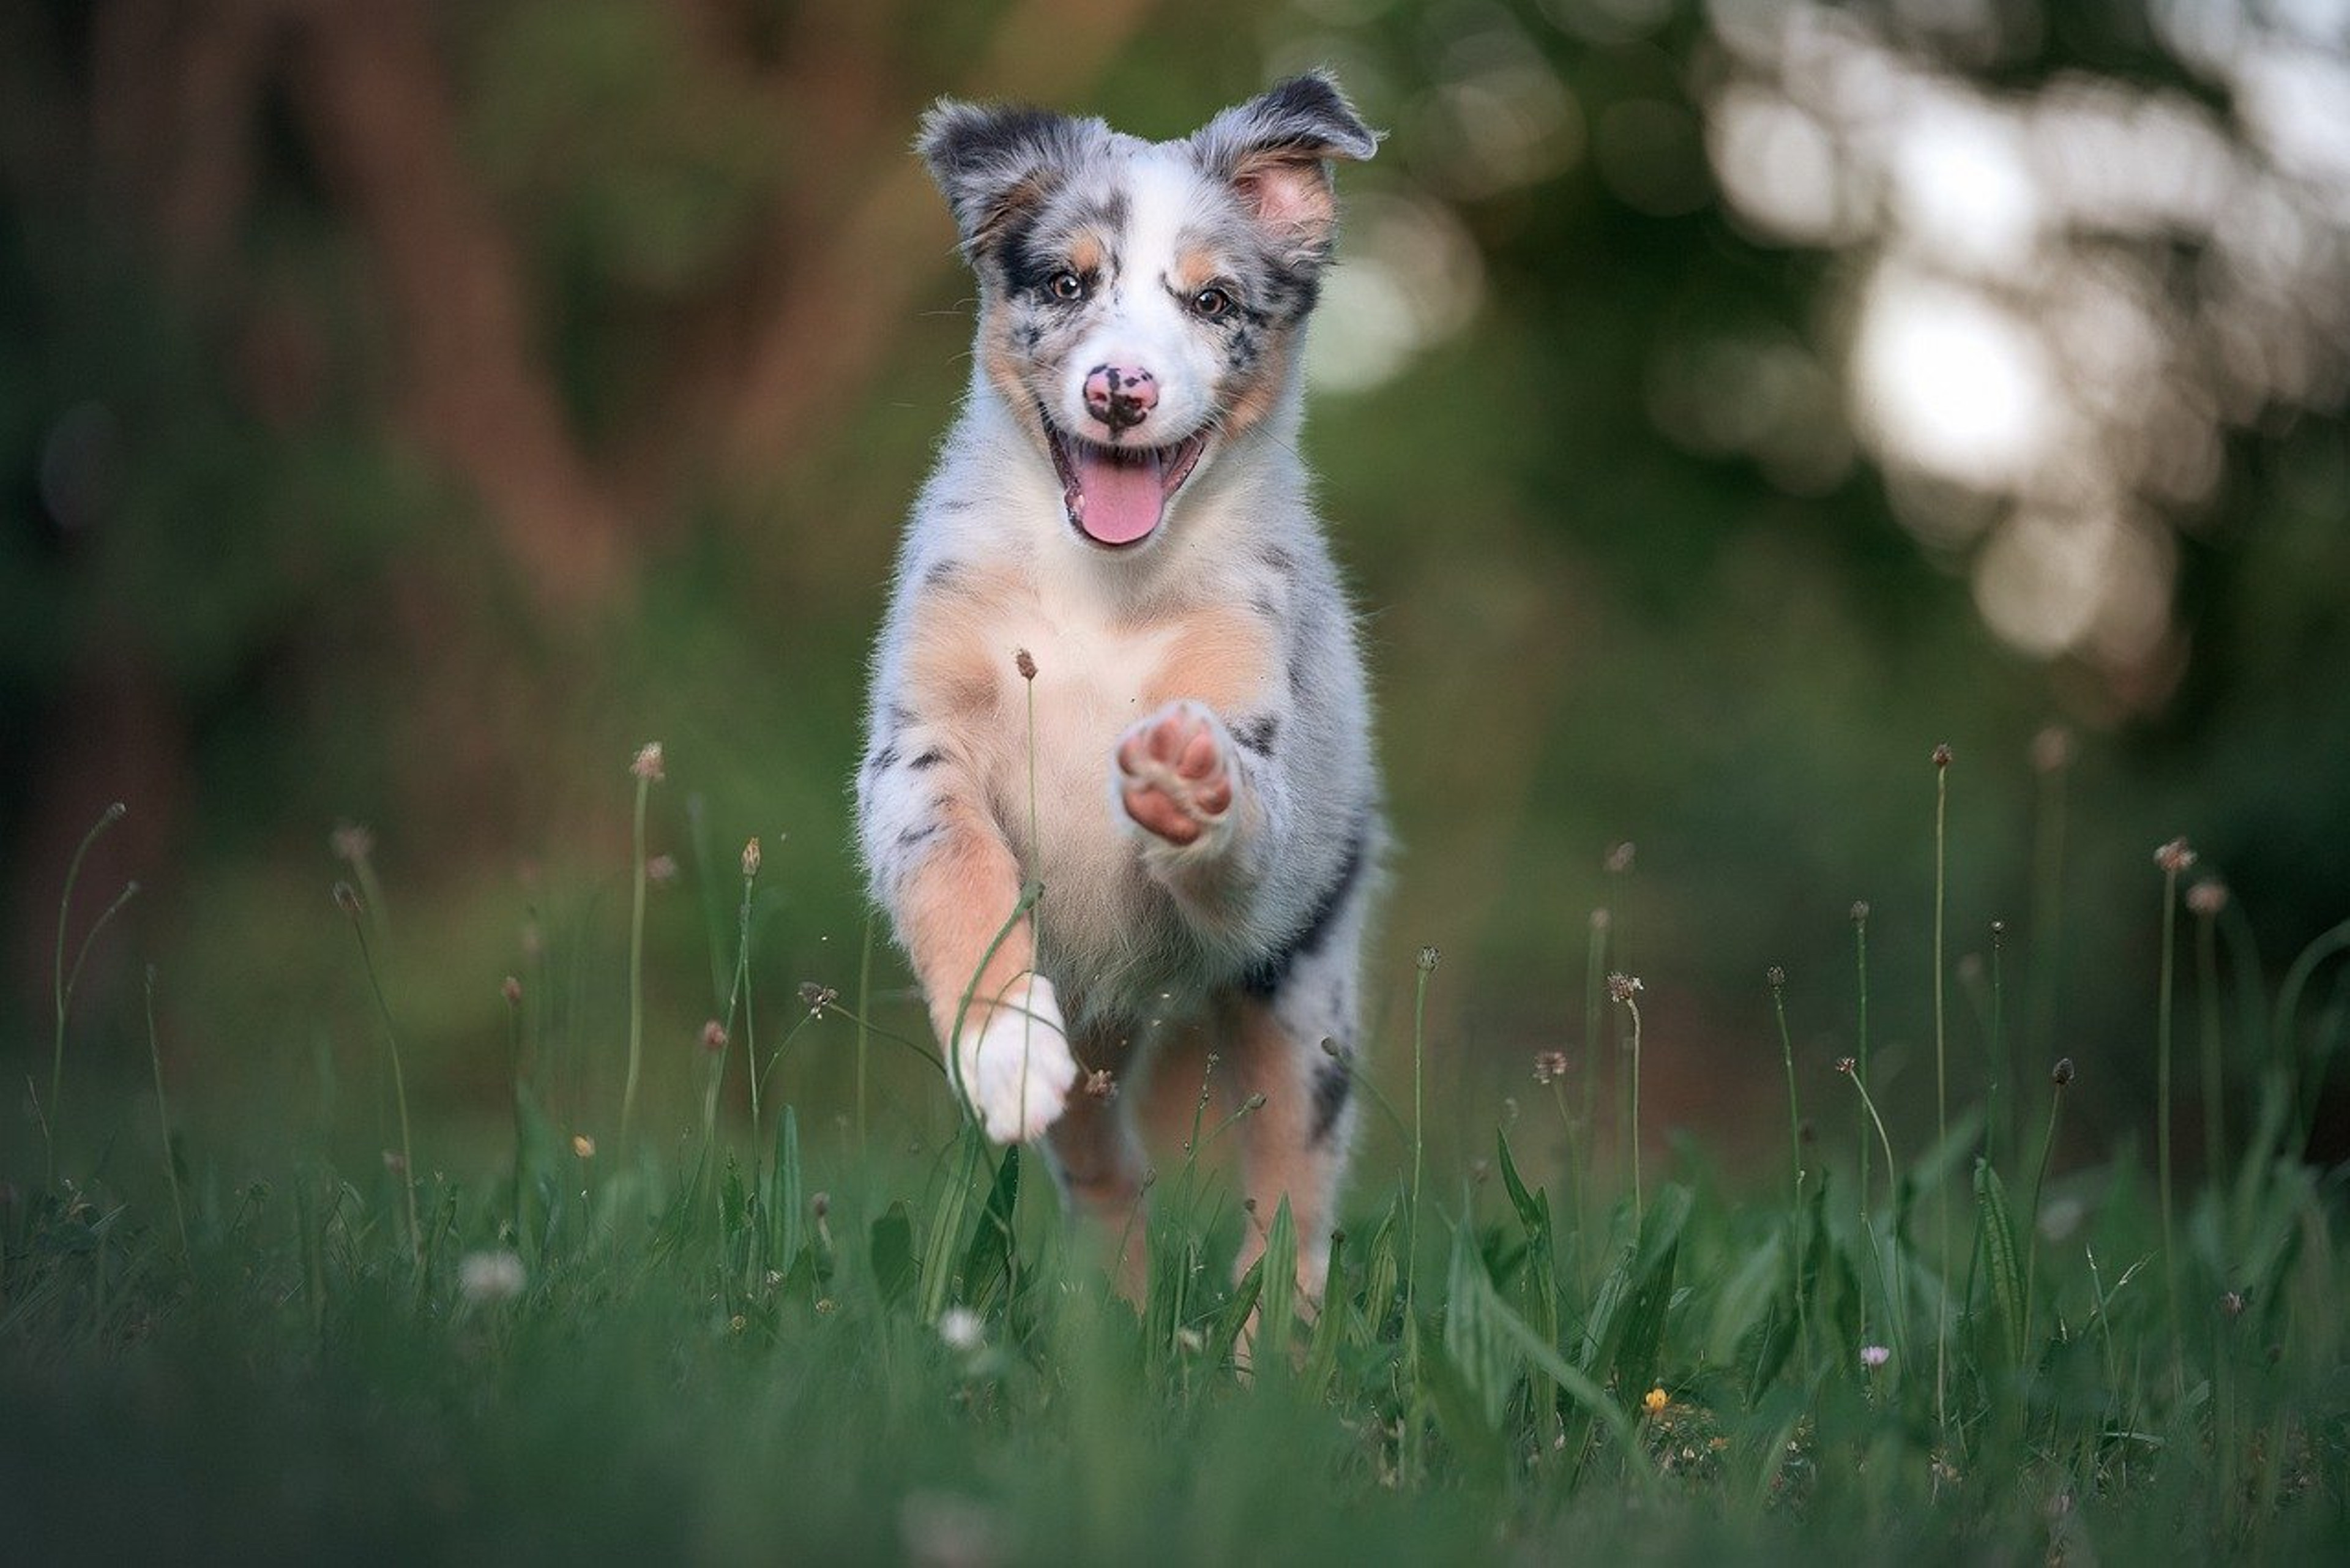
x: 707, y: 1330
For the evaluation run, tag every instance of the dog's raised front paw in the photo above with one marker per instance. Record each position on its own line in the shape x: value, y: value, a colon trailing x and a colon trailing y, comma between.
x: 1017, y: 1069
x: 1175, y: 773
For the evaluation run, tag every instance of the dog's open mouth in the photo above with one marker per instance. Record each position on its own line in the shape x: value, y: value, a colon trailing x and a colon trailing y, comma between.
x: 1117, y: 496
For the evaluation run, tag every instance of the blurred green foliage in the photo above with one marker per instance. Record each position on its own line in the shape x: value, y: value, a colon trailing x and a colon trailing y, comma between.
x: 288, y: 518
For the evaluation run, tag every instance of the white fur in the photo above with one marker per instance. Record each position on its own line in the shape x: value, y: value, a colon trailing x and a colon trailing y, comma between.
x: 1017, y: 1070
x: 1146, y: 325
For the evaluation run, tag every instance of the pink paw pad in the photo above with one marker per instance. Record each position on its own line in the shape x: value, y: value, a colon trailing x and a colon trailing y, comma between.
x: 1174, y: 777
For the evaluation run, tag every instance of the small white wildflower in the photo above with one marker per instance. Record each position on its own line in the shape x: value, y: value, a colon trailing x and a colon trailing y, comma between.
x: 486, y: 1277
x: 1872, y: 1356
x: 962, y: 1329
x: 942, y: 1529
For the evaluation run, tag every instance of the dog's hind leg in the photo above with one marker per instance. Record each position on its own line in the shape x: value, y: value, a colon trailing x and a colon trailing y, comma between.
x: 1296, y: 1049
x: 1098, y: 1162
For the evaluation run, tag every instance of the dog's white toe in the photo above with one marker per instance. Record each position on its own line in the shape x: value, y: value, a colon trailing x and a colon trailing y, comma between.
x: 1017, y: 1070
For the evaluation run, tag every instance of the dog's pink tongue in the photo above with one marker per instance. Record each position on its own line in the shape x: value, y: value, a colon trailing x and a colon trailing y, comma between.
x: 1123, y: 499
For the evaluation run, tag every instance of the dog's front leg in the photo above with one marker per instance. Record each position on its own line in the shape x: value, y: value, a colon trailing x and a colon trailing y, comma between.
x: 1205, y: 822
x: 1228, y: 831
x: 952, y: 886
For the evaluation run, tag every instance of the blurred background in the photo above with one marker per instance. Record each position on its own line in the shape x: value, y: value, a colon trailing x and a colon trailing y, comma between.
x: 408, y: 409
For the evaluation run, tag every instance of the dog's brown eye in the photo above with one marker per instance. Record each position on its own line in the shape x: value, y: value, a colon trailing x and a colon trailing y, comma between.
x: 1065, y: 285
x: 1210, y: 302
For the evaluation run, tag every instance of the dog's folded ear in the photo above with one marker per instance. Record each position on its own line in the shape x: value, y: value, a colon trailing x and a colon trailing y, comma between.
x: 1275, y: 151
x: 995, y: 162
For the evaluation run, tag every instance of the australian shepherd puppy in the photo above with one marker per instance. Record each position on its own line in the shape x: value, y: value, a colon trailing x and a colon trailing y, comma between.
x: 1118, y: 779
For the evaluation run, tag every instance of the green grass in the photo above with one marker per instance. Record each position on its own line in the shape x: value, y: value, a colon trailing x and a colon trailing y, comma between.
x: 887, y: 1346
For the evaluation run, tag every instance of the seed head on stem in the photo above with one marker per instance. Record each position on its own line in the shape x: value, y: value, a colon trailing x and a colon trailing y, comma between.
x: 2172, y: 858
x: 1623, y: 988
x: 2060, y: 1078
x: 648, y: 770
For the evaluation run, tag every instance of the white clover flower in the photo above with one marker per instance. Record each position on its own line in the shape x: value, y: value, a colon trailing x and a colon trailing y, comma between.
x: 962, y: 1329
x: 486, y: 1277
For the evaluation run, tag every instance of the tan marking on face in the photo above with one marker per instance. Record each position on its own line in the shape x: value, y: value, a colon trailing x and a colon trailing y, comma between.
x: 1250, y: 401
x: 1088, y: 256
x: 1195, y: 268
x: 950, y: 907
x: 1001, y: 359
x: 1221, y: 657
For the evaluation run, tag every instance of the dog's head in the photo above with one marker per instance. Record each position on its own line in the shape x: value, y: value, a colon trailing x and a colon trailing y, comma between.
x: 1140, y: 302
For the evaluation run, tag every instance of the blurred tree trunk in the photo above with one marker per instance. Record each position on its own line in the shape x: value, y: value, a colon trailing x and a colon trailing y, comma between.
x: 372, y: 92
x: 858, y: 233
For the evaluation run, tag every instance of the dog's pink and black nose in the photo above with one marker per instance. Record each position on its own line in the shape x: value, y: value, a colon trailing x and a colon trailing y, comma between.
x: 1120, y: 398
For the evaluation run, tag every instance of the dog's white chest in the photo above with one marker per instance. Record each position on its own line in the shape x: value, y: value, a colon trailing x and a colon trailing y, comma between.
x: 1091, y: 680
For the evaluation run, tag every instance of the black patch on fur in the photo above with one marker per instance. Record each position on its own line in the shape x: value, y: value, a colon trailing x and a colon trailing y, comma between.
x: 996, y: 165
x: 1242, y: 352
x: 1264, y: 977
x: 1107, y: 217
x: 1257, y: 732
x: 914, y: 836
x: 882, y: 760
x: 1334, y: 1082
x: 1026, y: 264
x: 1291, y: 291
x: 972, y: 143
x: 928, y: 759
x: 940, y: 574
x: 1307, y: 110
x: 1306, y: 116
